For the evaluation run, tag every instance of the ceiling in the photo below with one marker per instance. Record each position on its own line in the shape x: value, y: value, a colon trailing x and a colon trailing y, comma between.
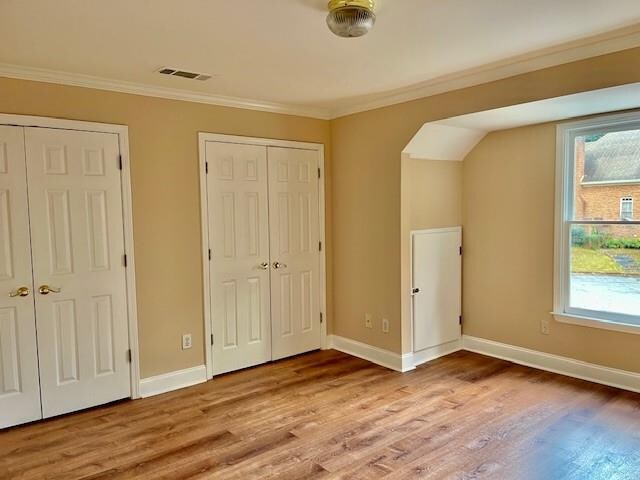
x: 280, y: 52
x: 453, y: 138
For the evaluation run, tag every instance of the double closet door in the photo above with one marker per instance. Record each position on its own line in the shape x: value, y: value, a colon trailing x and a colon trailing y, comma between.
x: 63, y: 313
x: 264, y: 232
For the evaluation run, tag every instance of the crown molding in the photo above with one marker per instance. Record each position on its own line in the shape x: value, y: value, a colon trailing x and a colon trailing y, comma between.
x: 602, y: 44
x: 80, y: 80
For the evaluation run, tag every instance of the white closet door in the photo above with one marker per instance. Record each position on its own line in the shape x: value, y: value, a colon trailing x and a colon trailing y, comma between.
x: 75, y: 203
x: 19, y: 387
x: 295, y: 256
x: 239, y: 242
x: 437, y: 283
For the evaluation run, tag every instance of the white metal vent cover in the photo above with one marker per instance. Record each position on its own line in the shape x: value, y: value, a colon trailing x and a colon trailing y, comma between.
x: 177, y: 72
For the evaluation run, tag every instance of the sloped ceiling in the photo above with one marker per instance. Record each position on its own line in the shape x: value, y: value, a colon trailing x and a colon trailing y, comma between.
x: 452, y: 139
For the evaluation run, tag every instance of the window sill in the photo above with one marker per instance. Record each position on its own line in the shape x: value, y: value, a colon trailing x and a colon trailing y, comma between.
x: 596, y: 323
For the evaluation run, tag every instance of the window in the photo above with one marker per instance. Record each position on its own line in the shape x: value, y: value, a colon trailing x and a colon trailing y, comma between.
x: 626, y: 209
x: 597, y: 260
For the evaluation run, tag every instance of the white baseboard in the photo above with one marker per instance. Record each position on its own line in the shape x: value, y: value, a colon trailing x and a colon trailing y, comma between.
x: 376, y: 355
x: 554, y: 363
x: 522, y: 356
x: 424, y: 356
x: 392, y: 360
x: 167, y: 382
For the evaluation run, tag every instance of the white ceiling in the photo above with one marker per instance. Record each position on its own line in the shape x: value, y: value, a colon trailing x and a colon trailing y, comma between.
x: 280, y: 51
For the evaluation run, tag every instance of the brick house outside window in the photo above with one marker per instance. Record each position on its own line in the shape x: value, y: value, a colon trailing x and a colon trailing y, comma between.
x: 607, y: 182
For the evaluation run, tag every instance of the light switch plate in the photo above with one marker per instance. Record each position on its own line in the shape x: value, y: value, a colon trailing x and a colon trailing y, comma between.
x: 186, y: 341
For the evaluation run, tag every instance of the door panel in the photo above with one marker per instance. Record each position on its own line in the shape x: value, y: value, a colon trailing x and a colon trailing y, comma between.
x: 19, y: 387
x: 295, y: 256
x: 437, y: 273
x: 75, y: 201
x: 239, y: 240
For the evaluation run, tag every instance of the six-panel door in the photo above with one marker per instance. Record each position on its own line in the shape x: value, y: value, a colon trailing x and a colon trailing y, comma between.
x: 239, y: 242
x: 265, y: 275
x: 19, y: 387
x: 77, y: 236
x: 294, y: 245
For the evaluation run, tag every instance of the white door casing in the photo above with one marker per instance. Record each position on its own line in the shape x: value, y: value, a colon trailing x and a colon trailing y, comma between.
x: 238, y: 226
x: 437, y: 274
x: 75, y: 204
x: 19, y: 385
x: 295, y: 254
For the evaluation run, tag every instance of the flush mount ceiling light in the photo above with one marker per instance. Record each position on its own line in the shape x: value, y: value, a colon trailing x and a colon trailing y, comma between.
x: 351, y: 18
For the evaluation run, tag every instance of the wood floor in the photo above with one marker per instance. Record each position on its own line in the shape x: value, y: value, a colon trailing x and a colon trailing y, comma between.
x: 329, y: 415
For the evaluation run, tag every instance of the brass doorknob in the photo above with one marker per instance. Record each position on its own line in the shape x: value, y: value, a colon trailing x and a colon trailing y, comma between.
x: 21, y: 292
x: 264, y: 266
x: 46, y: 290
x: 278, y: 265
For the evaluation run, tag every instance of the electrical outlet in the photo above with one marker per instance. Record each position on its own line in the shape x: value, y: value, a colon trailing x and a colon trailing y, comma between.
x: 385, y: 325
x: 186, y: 341
x: 545, y: 327
x: 368, y: 320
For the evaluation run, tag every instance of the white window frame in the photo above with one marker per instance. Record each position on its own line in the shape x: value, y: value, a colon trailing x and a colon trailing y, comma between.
x: 623, y: 201
x: 565, y: 177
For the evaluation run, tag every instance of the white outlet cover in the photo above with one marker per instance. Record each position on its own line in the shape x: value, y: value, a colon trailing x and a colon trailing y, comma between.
x: 368, y: 320
x: 545, y: 327
x: 186, y: 341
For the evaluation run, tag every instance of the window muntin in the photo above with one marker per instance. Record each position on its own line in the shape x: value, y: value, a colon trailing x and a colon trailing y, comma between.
x: 598, y: 242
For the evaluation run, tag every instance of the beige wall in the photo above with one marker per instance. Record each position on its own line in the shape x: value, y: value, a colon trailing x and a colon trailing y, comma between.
x: 163, y: 137
x: 434, y: 193
x: 364, y: 230
x: 367, y: 182
x: 508, y: 264
x: 431, y: 197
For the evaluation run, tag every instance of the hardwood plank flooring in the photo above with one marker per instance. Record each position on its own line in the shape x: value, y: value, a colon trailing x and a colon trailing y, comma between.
x: 329, y: 415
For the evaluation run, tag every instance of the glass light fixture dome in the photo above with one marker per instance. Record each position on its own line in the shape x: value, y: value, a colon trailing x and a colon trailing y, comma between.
x: 351, y: 18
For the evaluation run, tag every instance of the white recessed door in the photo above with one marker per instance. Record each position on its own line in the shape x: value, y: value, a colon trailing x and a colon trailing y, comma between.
x: 239, y: 241
x: 437, y: 287
x: 75, y: 204
x: 295, y: 255
x: 19, y: 387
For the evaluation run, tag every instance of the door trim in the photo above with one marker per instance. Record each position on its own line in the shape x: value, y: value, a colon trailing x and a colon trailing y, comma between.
x: 127, y: 210
x: 203, y: 138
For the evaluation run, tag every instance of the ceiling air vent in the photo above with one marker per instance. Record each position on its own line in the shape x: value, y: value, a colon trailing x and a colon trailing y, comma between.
x: 176, y: 72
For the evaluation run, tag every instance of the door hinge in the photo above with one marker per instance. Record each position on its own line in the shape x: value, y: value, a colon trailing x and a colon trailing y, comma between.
x: 321, y: 318
x: 320, y: 246
x: 209, y: 254
x: 206, y: 167
x: 460, y: 250
x: 129, y: 355
x: 460, y: 318
x: 119, y: 162
x: 124, y: 260
x: 319, y: 174
x: 212, y: 339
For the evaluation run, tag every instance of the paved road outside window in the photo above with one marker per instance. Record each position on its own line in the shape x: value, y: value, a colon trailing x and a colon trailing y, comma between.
x: 612, y: 293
